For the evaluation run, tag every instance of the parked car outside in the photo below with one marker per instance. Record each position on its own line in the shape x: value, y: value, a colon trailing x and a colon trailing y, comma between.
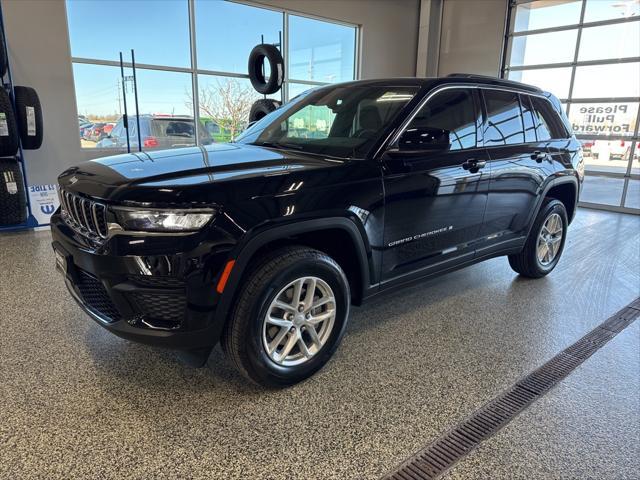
x: 612, y: 149
x: 156, y: 131
x: 96, y: 133
x: 84, y: 129
x: 106, y: 130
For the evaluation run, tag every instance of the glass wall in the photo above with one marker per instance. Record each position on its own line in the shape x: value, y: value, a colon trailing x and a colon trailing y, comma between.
x: 587, y: 52
x: 182, y: 46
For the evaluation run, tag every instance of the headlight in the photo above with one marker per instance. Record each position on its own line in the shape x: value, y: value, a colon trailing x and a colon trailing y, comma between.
x: 163, y: 220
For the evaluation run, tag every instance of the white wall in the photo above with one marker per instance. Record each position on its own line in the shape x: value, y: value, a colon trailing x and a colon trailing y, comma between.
x: 471, y: 39
x: 38, y: 45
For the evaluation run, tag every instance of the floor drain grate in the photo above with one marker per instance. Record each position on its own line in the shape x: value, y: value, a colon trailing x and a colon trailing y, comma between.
x: 443, y: 453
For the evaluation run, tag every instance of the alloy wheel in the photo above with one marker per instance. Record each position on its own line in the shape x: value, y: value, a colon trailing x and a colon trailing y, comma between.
x: 549, y: 239
x: 299, y: 321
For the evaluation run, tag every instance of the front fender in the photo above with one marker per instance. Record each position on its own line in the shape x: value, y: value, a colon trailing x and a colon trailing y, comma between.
x: 251, y: 242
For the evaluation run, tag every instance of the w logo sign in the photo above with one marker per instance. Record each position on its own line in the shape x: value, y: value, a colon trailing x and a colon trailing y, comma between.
x: 47, y: 209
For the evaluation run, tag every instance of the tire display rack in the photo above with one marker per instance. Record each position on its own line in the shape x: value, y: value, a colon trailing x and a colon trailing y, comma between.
x: 7, y: 85
x: 272, y: 53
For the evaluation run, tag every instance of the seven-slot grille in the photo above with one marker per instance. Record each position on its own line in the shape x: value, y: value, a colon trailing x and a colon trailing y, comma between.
x: 84, y: 215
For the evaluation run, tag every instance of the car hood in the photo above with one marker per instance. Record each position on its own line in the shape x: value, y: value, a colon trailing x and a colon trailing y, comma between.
x: 166, y: 175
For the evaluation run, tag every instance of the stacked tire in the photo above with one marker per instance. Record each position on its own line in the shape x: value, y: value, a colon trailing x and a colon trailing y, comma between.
x: 22, y: 126
x: 261, y: 83
x: 262, y: 108
x: 9, y: 137
x: 28, y: 117
x: 13, y: 198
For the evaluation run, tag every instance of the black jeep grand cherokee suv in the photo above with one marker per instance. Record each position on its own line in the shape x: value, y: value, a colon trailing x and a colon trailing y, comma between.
x: 346, y: 192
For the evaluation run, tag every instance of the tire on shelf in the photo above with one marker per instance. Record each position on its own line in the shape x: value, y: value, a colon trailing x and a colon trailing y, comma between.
x: 262, y: 107
x: 258, y: 55
x: 8, y: 129
x: 13, y: 198
x: 28, y: 117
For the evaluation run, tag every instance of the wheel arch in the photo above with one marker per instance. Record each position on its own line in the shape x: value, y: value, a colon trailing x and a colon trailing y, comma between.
x: 552, y: 188
x: 302, y: 232
x: 565, y: 190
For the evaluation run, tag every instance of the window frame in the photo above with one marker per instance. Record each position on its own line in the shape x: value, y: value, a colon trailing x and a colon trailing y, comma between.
x: 477, y: 112
x: 421, y: 101
x: 194, y: 71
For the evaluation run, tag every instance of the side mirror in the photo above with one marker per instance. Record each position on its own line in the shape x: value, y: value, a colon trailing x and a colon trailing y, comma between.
x: 426, y: 139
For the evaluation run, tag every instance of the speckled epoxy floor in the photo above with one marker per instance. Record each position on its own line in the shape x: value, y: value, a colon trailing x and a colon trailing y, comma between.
x: 77, y: 402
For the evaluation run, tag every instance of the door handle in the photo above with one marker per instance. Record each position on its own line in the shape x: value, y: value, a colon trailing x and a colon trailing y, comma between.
x: 538, y: 156
x: 473, y: 165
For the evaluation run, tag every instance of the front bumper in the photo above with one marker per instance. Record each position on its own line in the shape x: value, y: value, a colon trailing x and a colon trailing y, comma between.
x: 166, y: 299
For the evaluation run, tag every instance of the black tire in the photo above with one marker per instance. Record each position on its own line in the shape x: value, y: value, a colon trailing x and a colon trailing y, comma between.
x: 276, y: 65
x: 261, y: 108
x: 28, y: 117
x: 242, y: 336
x: 8, y: 129
x: 526, y: 263
x: 13, y: 203
x: 4, y: 62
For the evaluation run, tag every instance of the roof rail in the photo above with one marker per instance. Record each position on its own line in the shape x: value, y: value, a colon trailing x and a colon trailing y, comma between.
x: 473, y: 75
x: 496, y: 80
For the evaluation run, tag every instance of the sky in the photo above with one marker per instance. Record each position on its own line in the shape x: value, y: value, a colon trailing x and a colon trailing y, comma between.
x: 158, y: 31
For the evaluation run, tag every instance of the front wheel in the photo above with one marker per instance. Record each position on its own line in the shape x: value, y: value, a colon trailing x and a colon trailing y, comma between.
x: 545, y: 243
x: 289, y: 317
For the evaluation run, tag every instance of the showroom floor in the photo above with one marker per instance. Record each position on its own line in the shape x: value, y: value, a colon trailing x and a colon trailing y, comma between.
x: 78, y: 402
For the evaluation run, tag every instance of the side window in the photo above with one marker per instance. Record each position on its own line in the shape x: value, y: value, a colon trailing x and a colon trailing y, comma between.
x: 118, y: 130
x: 547, y: 123
x: 504, y: 122
x: 453, y: 112
x: 527, y: 118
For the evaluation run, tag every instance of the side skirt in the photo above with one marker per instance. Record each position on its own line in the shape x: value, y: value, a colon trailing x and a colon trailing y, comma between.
x: 506, y: 248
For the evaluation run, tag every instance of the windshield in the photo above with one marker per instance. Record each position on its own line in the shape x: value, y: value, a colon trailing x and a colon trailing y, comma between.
x: 343, y: 121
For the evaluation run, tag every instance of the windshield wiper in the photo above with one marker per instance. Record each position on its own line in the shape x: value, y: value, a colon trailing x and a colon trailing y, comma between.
x: 280, y: 145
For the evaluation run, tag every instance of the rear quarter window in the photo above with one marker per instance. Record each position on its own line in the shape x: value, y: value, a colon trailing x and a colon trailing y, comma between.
x: 547, y: 120
x: 173, y: 128
x: 504, y: 119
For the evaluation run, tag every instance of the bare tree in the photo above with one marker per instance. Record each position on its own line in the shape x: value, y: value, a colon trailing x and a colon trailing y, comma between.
x: 227, y: 103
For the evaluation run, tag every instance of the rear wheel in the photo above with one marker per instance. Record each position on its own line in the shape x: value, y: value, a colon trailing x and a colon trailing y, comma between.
x: 545, y: 243
x: 289, y: 317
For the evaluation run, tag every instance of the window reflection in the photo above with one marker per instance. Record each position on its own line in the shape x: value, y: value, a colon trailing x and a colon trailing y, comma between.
x: 453, y: 112
x: 504, y: 121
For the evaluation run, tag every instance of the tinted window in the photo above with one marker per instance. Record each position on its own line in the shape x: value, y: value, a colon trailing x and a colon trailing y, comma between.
x: 168, y: 127
x: 452, y: 111
x: 504, y: 122
x: 547, y: 122
x: 527, y: 118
